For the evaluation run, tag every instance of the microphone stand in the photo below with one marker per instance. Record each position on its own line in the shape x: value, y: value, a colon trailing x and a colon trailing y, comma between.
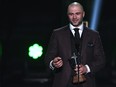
x: 78, y: 67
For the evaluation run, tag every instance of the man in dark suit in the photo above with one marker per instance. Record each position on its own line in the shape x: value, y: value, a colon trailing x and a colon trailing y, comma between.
x: 60, y: 51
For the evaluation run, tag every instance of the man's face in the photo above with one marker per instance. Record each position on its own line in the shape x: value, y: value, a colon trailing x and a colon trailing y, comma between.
x: 75, y: 15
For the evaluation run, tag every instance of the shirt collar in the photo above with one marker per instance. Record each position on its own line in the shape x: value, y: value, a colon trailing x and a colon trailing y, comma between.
x: 72, y: 27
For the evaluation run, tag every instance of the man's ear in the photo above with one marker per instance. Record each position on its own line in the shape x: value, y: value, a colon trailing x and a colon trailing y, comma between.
x: 83, y: 13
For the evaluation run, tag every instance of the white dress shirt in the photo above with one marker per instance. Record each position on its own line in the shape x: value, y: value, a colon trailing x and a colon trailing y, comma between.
x: 80, y: 29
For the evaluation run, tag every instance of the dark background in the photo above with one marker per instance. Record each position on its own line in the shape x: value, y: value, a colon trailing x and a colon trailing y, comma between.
x: 24, y: 22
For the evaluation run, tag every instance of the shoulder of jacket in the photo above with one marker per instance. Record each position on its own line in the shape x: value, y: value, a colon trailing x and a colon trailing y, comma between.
x: 61, y: 28
x: 92, y: 31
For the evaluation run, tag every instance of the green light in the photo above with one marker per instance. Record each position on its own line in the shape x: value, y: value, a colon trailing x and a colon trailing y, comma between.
x: 35, y: 51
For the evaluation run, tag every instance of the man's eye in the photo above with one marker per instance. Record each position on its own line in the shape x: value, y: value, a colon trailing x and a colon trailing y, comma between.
x: 78, y: 13
x: 70, y: 14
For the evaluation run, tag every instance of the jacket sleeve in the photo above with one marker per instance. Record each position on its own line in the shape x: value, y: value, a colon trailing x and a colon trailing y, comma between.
x: 51, y: 51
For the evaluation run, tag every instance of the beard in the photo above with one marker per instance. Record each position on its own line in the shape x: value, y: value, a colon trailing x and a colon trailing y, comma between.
x: 76, y: 24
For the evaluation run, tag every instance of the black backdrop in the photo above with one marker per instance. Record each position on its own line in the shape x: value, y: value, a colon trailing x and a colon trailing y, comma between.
x: 24, y: 22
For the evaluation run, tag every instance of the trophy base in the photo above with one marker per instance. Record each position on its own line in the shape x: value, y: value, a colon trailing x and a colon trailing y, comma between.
x: 81, y: 79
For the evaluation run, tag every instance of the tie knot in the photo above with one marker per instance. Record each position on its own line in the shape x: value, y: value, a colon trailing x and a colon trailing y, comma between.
x: 76, y: 29
x: 77, y: 32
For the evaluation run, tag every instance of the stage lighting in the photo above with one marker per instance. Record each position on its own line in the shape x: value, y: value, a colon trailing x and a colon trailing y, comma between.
x: 35, y: 51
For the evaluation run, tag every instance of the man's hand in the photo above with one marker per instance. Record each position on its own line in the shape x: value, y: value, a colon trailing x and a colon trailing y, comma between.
x: 57, y: 62
x: 82, y: 69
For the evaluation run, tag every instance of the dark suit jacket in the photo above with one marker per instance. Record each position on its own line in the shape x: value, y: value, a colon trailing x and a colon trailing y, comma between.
x: 92, y: 54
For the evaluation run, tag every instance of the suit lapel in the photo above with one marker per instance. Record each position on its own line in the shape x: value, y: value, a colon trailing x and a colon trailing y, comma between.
x: 67, y: 42
x: 84, y: 42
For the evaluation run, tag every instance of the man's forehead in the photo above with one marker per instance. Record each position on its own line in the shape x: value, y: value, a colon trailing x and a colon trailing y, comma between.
x: 75, y: 4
